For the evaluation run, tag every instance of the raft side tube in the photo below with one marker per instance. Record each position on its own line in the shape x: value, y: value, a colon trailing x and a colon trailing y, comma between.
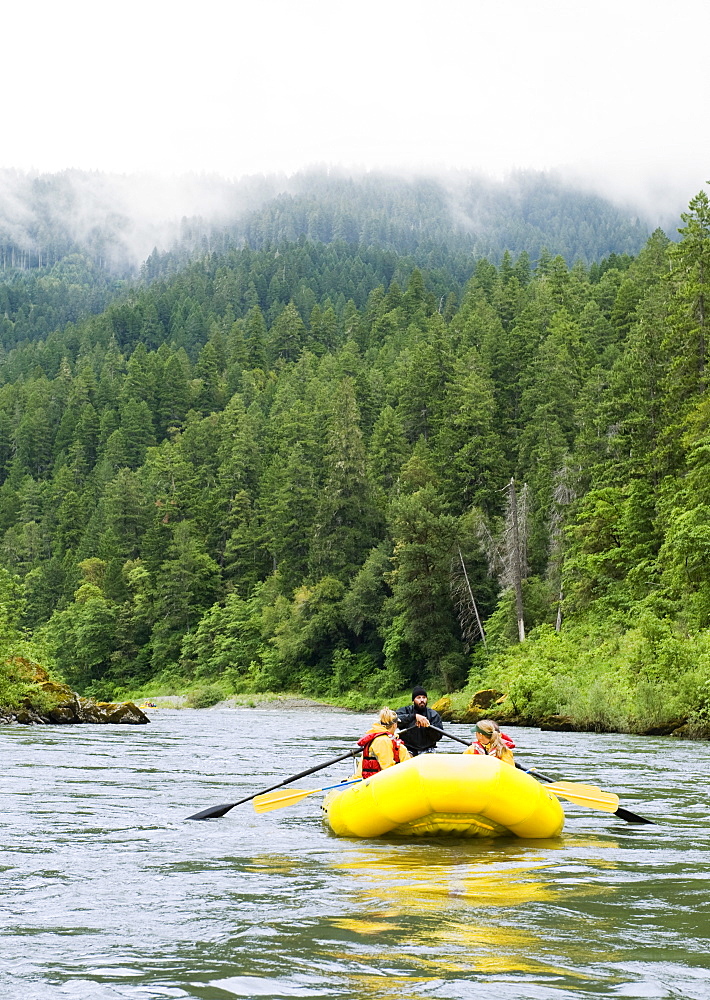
x: 445, y: 784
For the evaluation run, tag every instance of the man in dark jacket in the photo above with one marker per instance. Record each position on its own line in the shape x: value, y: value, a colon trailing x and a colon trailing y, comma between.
x: 420, y: 738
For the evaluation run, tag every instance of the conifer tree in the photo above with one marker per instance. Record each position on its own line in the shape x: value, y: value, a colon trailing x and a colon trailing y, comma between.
x: 387, y: 452
x: 424, y: 536
x: 287, y: 336
x: 345, y: 522
x: 137, y: 431
x: 186, y: 585
x: 209, y: 394
x: 288, y: 506
x: 467, y: 446
x: 172, y: 396
x: 689, y: 315
x: 255, y: 338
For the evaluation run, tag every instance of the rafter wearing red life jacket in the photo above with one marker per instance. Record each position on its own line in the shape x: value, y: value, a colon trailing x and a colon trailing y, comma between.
x: 370, y: 763
x: 504, y: 738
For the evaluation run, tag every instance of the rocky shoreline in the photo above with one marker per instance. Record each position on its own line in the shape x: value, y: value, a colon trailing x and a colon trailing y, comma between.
x: 57, y: 704
x: 75, y: 710
x: 488, y: 701
x: 49, y: 702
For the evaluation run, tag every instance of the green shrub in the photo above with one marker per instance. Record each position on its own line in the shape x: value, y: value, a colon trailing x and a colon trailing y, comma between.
x: 599, y: 706
x: 204, y: 697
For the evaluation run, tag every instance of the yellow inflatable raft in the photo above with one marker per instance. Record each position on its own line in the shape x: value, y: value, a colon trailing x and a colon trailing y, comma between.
x: 445, y: 795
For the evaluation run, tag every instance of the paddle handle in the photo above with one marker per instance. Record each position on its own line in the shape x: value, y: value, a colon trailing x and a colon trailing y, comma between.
x: 341, y: 784
x: 302, y: 774
x: 535, y: 773
x: 451, y: 736
x: 216, y: 811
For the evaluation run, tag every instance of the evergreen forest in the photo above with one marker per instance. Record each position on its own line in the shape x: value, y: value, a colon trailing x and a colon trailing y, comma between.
x: 115, y: 222
x: 327, y: 456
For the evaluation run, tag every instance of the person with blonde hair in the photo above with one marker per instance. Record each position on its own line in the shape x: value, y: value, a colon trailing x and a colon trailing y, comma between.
x: 488, y: 741
x: 380, y: 747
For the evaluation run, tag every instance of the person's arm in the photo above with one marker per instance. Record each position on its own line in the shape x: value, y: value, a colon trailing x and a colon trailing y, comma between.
x: 405, y: 716
x: 404, y: 754
x: 435, y: 720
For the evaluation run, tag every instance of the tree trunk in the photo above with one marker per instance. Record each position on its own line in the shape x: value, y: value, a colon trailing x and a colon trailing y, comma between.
x: 473, y: 599
x: 517, y: 572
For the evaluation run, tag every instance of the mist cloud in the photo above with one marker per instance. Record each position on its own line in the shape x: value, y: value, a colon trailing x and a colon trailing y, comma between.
x: 121, y: 218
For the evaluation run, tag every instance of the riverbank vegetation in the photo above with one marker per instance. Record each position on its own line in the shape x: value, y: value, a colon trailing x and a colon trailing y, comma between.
x: 325, y: 468
x: 19, y: 681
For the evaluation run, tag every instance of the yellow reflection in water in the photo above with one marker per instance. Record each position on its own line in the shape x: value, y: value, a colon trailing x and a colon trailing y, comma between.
x: 387, y: 988
x: 280, y: 864
x: 449, y: 917
x: 439, y: 965
x: 366, y: 927
x: 431, y: 886
x: 600, y: 843
x: 460, y: 935
x: 501, y: 964
x: 500, y: 890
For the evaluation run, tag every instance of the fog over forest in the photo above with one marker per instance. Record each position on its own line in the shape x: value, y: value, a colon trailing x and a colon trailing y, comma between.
x: 121, y: 218
x: 255, y: 434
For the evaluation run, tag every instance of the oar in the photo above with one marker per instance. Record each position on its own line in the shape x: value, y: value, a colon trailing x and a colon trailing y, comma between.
x: 217, y: 811
x: 625, y: 814
x: 466, y: 743
x: 585, y: 795
x: 279, y: 800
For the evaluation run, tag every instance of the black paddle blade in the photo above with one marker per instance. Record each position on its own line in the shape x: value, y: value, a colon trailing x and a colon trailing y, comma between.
x: 622, y: 813
x: 213, y: 813
x: 632, y: 817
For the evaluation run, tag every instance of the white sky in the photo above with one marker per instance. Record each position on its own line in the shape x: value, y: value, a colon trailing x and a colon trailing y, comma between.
x: 618, y: 87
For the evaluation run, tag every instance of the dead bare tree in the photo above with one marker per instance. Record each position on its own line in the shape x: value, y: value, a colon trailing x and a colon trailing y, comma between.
x: 507, y: 551
x: 465, y: 603
x: 517, y: 551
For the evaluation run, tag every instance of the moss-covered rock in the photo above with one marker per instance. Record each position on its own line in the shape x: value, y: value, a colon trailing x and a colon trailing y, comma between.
x: 557, y: 724
x: 443, y: 707
x: 693, y: 730
x: 669, y: 728
x: 481, y: 703
x: 38, y: 699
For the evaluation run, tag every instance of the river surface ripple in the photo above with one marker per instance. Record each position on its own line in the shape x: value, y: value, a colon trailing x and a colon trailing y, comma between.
x: 106, y: 892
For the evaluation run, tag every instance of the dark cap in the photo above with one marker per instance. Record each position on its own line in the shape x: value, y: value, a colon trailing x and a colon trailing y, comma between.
x: 417, y: 691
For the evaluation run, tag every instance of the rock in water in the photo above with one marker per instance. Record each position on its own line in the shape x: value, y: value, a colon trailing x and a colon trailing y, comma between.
x: 68, y: 707
x: 80, y: 709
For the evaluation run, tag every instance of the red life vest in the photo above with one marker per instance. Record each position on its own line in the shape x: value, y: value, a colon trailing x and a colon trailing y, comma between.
x: 370, y: 763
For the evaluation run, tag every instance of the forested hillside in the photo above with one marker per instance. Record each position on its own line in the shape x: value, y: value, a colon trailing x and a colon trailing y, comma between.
x: 528, y: 212
x: 320, y: 467
x: 116, y: 221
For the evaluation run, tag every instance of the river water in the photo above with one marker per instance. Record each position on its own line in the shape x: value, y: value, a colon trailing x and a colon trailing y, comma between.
x: 107, y: 892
